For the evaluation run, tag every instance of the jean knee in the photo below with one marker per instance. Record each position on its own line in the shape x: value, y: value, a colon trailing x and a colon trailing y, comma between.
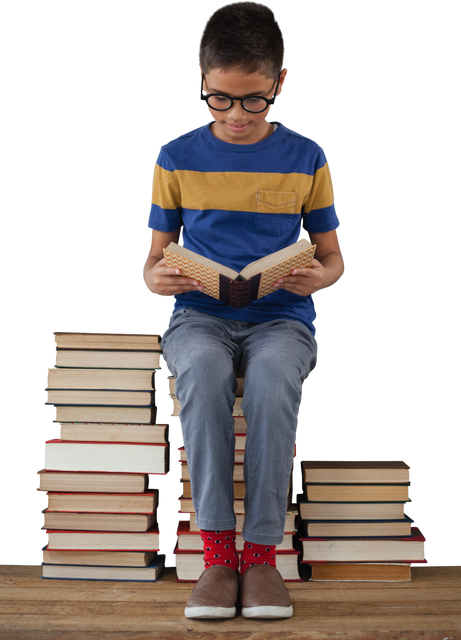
x: 283, y: 374
x: 204, y: 369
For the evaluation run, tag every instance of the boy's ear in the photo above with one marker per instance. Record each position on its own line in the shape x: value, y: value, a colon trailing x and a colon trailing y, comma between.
x: 283, y: 81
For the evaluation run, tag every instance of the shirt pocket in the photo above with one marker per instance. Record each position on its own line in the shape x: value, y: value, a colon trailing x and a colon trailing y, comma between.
x: 275, y: 212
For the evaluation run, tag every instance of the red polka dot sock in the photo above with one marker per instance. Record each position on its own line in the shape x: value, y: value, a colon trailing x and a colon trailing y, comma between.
x: 257, y: 554
x: 219, y: 548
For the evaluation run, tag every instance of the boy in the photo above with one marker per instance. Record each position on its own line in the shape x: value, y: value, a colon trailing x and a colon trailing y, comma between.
x: 239, y: 188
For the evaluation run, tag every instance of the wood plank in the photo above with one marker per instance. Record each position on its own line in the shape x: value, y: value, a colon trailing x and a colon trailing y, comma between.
x: 222, y: 635
x: 429, y: 607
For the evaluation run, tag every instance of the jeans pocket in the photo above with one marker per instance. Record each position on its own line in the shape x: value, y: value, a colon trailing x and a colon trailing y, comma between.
x: 176, y: 317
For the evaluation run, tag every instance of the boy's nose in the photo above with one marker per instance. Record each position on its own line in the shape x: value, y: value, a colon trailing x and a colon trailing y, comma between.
x: 237, y: 112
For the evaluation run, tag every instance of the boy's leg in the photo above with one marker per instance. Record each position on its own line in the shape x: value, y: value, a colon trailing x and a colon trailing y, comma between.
x: 277, y: 357
x: 200, y: 354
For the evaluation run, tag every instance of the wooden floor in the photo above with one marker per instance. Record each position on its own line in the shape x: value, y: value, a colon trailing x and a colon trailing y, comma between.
x: 429, y: 607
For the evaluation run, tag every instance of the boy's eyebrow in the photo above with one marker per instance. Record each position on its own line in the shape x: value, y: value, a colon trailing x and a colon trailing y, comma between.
x: 253, y: 93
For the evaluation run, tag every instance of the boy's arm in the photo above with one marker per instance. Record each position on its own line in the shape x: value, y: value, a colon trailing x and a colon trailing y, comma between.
x: 158, y: 240
x: 330, y: 254
x: 334, y: 272
x: 328, y: 267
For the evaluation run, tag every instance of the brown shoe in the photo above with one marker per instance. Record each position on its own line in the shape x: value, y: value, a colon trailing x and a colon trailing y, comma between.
x: 214, y: 595
x: 264, y: 594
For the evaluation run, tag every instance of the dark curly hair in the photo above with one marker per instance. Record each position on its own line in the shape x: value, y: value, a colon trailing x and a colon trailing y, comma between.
x: 243, y: 35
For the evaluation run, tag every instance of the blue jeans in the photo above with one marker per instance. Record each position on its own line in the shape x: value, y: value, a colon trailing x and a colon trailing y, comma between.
x: 206, y: 354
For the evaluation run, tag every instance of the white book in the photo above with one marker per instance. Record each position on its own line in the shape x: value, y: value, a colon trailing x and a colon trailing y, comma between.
x: 100, y: 456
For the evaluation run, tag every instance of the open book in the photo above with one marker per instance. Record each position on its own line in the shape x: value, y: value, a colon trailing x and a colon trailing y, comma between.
x: 253, y: 282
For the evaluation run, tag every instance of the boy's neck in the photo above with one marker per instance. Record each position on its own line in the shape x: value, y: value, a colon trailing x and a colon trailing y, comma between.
x: 215, y: 130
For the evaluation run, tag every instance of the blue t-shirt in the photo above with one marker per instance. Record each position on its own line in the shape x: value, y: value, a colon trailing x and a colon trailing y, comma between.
x: 237, y: 203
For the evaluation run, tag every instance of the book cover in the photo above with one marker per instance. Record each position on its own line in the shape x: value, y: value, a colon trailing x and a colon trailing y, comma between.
x: 354, y: 470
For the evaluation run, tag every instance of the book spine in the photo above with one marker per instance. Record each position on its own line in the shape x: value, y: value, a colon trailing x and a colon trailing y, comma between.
x: 239, y: 293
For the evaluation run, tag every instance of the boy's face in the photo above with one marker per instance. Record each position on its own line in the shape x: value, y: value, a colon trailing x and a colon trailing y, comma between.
x: 237, y: 125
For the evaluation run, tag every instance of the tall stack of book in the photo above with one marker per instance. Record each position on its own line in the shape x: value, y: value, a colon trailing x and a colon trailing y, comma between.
x: 189, y: 553
x: 353, y: 526
x: 101, y: 518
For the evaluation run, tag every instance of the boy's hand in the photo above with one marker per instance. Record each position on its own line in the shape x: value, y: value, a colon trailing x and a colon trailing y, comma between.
x: 169, y: 282
x: 303, y: 282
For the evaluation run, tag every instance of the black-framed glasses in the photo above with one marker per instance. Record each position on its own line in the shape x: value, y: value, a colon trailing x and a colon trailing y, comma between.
x: 222, y: 102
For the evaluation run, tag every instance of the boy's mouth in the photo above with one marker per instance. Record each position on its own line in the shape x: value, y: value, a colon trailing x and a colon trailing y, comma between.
x: 237, y: 127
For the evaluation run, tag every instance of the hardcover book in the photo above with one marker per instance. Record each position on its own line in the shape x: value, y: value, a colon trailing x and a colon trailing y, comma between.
x: 110, y: 341
x: 150, y: 573
x: 100, y: 482
x: 382, y: 472
x: 253, y: 282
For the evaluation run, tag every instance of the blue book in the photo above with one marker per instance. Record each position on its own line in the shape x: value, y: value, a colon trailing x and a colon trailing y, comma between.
x: 151, y: 573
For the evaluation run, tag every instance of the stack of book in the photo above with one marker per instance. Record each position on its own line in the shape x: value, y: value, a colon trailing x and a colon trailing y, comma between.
x: 189, y: 552
x: 101, y: 518
x: 353, y: 526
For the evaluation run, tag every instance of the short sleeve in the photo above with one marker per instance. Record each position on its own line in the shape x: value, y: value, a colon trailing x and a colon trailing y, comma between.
x: 320, y: 211
x: 164, y: 205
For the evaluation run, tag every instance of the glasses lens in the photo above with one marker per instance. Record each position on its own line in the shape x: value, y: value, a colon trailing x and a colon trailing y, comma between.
x: 221, y: 103
x: 255, y: 104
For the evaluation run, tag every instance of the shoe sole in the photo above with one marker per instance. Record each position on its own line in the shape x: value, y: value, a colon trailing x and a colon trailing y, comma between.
x: 267, y: 612
x: 209, y: 612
